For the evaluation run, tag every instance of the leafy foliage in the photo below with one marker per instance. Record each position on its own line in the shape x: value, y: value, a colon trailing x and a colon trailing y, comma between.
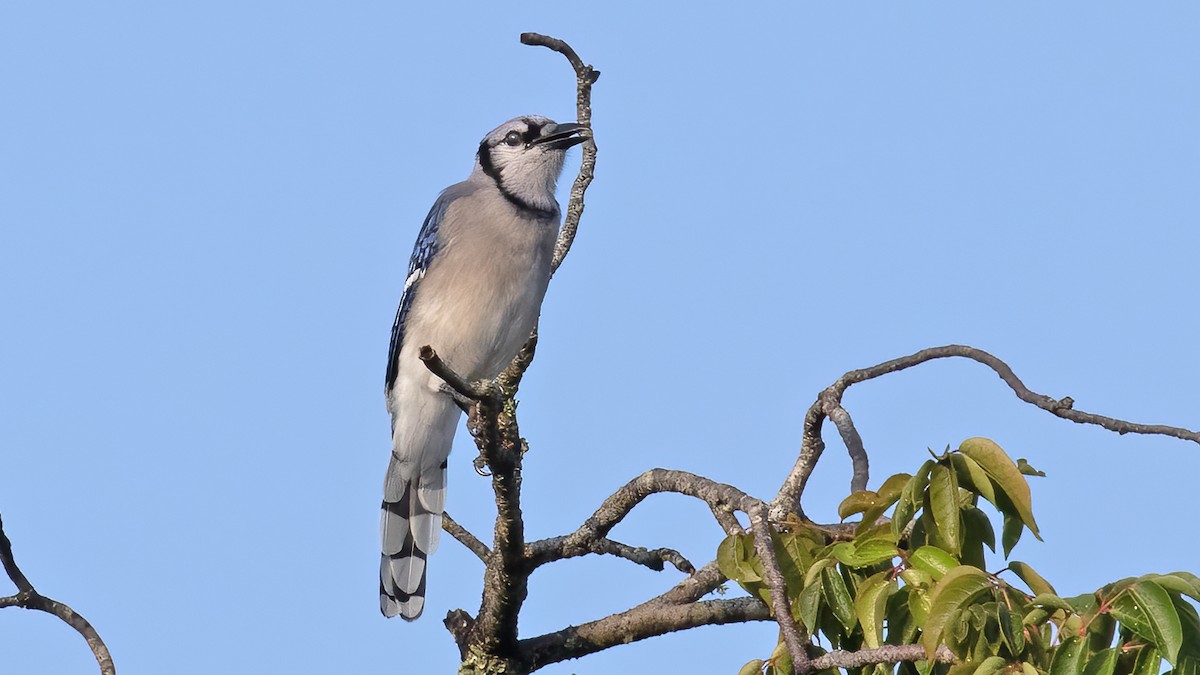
x: 917, y: 576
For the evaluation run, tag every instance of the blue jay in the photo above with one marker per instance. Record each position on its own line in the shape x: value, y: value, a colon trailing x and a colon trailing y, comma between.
x: 474, y: 290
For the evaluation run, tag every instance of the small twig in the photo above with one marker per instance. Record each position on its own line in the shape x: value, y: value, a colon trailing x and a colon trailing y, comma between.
x: 620, y: 503
x: 540, y: 552
x: 854, y: 445
x: 884, y: 654
x: 585, y: 77
x: 438, y: 367
x: 465, y: 538
x: 765, y: 547
x: 788, y: 498
x: 28, y: 598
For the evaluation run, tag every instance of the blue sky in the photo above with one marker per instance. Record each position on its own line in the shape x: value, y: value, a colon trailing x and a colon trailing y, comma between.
x: 206, y: 212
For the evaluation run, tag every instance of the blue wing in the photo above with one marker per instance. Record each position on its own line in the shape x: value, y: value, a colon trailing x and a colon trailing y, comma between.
x: 423, y: 252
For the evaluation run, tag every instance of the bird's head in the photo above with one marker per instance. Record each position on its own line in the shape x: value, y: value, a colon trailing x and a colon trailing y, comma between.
x: 524, y: 156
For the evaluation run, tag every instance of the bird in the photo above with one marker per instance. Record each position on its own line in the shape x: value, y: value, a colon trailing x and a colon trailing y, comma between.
x: 476, y: 279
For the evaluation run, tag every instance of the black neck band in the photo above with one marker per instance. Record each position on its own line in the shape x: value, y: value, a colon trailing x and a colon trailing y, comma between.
x: 490, y: 170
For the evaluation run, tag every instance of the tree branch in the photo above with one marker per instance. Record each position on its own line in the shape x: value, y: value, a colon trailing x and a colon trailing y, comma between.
x: 884, y: 654
x: 28, y: 598
x: 613, y: 511
x: 765, y: 547
x: 644, y: 621
x: 554, y: 549
x: 465, y: 538
x: 435, y: 364
x: 585, y: 77
x: 829, y: 400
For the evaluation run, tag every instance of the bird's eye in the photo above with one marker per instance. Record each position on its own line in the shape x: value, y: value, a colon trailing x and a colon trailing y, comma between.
x: 513, y: 138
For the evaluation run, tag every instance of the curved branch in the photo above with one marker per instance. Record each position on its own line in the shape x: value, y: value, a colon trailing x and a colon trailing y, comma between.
x: 554, y: 549
x: 585, y: 77
x: 28, y: 598
x: 829, y: 400
x: 620, y: 503
x: 854, y: 445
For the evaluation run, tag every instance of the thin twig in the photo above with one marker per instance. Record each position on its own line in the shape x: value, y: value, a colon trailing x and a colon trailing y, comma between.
x: 465, y: 538
x: 585, y: 77
x: 620, y: 503
x: 540, y: 552
x: 788, y: 498
x: 28, y: 598
x: 438, y: 367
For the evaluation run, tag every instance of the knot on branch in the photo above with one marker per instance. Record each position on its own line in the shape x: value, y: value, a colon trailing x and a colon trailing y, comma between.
x: 459, y: 623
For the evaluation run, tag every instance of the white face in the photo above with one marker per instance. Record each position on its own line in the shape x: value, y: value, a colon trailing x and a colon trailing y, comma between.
x: 525, y: 157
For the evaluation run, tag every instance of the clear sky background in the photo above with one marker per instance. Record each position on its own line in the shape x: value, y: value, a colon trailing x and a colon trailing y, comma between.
x: 206, y: 212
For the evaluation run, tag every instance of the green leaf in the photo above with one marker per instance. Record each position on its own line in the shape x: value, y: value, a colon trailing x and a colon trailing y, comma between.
x: 1007, y: 476
x: 857, y: 502
x: 1011, y: 534
x: 943, y: 501
x: 977, y: 533
x: 1146, y: 609
x: 1011, y: 630
x: 838, y: 597
x: 933, y: 561
x: 1070, y: 657
x: 1184, y: 583
x: 1085, y: 603
x: 1036, y: 617
x: 1051, y: 601
x: 736, y: 558
x: 901, y: 623
x: 1028, y: 668
x: 809, y: 607
x: 1032, y: 579
x: 1102, y: 663
x: 755, y: 667
x: 1024, y: 467
x: 1190, y: 620
x: 950, y: 596
x: 972, y: 476
x: 871, y: 606
x: 782, y: 660
x: 1100, y: 630
x: 911, y: 498
x: 990, y: 666
x: 891, y: 489
x: 1148, y: 661
x: 865, y: 554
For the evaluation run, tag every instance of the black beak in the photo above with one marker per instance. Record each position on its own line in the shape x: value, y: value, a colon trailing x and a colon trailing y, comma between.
x: 563, y: 136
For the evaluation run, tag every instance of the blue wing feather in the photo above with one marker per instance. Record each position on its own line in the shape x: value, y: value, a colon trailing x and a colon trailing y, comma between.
x: 423, y: 252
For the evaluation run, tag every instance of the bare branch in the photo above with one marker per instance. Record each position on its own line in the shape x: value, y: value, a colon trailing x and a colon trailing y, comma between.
x: 465, y: 538
x: 554, y: 549
x: 854, y: 444
x: 585, y: 77
x: 885, y: 654
x: 28, y: 598
x: 765, y: 547
x: 788, y: 498
x: 438, y: 367
x: 644, y: 621
x: 614, y: 509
